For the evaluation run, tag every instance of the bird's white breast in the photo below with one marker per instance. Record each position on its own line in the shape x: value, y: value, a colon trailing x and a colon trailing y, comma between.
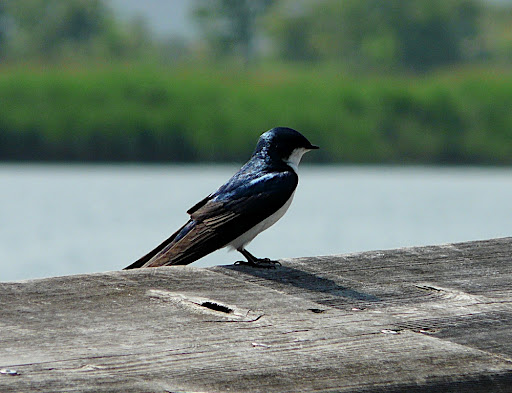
x: 244, y: 239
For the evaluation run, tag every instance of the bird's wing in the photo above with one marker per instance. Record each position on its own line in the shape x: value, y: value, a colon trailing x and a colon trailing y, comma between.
x: 223, y: 216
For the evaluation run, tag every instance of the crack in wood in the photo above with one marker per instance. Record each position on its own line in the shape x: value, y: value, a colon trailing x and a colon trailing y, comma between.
x: 203, y: 305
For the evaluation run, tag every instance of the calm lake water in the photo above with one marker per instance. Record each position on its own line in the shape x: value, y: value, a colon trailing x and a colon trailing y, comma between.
x: 59, y: 220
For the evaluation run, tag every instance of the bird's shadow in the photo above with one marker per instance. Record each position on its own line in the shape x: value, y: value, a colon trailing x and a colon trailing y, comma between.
x: 289, y: 276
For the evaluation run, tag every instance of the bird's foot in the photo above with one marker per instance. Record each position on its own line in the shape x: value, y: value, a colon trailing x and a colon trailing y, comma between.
x: 261, y: 263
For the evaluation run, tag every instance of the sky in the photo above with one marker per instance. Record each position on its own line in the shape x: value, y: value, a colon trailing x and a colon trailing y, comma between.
x: 165, y: 17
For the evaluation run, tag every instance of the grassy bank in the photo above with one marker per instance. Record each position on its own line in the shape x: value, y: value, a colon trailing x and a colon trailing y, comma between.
x: 152, y: 114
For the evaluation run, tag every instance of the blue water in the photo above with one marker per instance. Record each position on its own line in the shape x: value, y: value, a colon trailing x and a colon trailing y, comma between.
x: 59, y: 220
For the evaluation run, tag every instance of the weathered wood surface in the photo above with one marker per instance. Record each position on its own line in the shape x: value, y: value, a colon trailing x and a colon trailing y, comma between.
x: 436, y: 319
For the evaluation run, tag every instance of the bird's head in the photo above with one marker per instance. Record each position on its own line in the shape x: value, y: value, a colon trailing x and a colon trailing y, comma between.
x: 284, y: 144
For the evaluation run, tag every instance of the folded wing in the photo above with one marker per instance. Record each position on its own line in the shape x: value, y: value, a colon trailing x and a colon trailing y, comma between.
x: 223, y: 216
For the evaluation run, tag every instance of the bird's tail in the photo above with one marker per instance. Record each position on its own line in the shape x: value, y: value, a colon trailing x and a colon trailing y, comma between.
x: 146, y: 258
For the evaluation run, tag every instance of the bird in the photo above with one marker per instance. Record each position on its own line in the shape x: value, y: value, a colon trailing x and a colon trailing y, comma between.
x: 251, y: 201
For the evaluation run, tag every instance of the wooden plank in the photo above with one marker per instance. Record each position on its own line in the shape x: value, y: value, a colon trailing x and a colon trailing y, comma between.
x: 420, y: 319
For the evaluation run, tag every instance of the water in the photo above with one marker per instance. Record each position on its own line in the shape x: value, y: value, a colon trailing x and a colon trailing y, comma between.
x: 59, y: 220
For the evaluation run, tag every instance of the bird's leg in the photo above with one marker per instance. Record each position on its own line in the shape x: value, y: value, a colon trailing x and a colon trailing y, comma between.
x: 264, y: 263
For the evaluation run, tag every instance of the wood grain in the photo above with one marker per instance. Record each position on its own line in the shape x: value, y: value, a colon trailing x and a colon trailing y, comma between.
x: 422, y: 319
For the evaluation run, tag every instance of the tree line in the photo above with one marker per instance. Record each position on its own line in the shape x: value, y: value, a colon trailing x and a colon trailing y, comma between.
x: 356, y: 35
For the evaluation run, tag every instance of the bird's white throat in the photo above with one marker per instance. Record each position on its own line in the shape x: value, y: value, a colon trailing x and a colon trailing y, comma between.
x: 295, y: 158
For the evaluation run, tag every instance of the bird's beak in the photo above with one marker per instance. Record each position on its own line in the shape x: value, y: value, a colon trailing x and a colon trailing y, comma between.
x: 314, y: 147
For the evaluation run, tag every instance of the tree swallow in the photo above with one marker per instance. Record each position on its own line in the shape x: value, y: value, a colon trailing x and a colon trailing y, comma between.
x: 254, y: 199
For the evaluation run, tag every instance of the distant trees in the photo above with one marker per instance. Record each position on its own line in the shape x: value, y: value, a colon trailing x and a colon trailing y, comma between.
x: 3, y: 28
x: 52, y: 30
x: 51, y: 27
x: 230, y: 26
x: 496, y: 32
x: 46, y: 27
x: 410, y: 35
x: 415, y: 34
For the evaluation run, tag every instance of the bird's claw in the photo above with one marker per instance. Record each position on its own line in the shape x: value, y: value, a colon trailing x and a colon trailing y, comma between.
x: 262, y: 263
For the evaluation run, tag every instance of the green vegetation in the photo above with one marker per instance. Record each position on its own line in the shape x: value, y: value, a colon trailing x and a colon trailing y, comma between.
x: 156, y: 114
x: 53, y: 31
x: 411, y: 35
x: 414, y: 36
x: 368, y: 80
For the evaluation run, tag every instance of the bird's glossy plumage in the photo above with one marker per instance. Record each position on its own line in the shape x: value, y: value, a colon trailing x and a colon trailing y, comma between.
x: 257, y: 191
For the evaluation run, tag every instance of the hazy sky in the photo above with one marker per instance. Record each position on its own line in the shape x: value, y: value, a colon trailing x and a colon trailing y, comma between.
x: 167, y: 17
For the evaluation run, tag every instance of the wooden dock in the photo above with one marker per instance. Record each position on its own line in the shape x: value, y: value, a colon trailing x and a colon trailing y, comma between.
x: 422, y: 319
